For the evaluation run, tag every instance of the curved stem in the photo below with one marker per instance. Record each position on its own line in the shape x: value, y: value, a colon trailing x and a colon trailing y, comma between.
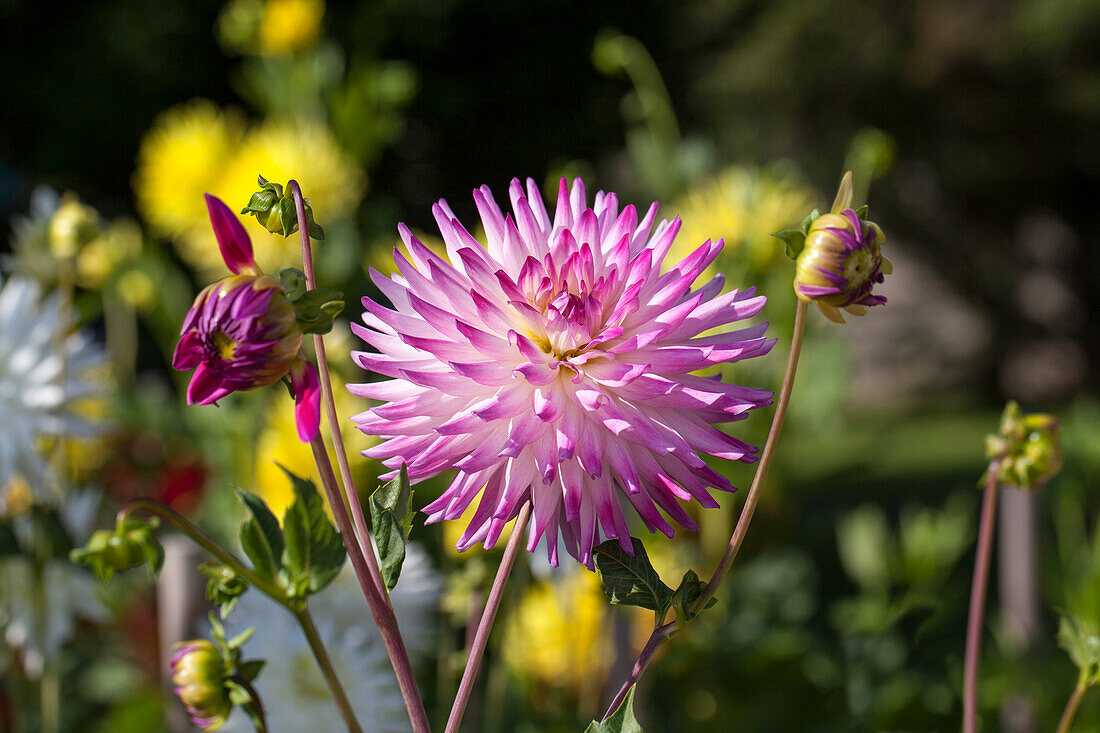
x: 258, y: 714
x: 204, y: 541
x: 766, y: 456
x: 656, y: 639
x: 492, y: 604
x: 1072, y: 704
x: 661, y: 633
x: 351, y: 493
x: 977, y: 600
x: 325, y: 663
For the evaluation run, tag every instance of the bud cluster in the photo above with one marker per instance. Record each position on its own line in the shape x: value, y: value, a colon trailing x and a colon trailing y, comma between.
x: 1027, y: 449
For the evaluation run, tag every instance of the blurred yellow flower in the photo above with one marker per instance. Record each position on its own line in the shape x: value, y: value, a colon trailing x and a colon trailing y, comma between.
x: 558, y: 635
x: 117, y: 244
x: 744, y: 206
x: 180, y: 159
x: 198, y: 149
x: 289, y: 26
x: 279, y: 443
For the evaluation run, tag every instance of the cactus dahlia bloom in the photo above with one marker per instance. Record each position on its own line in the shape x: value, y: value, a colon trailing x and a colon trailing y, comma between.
x: 241, y: 332
x: 556, y: 364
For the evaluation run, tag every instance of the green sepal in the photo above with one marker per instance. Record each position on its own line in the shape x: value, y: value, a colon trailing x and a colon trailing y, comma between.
x: 288, y: 217
x: 314, y: 551
x: 239, y: 695
x: 684, y: 597
x: 392, y: 514
x: 620, y: 721
x: 631, y: 580
x: 261, y: 538
x: 793, y: 241
x: 223, y: 586
x: 294, y: 282
x: 316, y: 310
x: 264, y: 204
x: 131, y: 543
x: 861, y: 212
x: 250, y: 670
x: 810, y: 219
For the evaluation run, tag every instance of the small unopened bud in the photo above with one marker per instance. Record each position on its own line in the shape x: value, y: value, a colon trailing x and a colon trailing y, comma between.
x: 130, y: 544
x: 274, y: 208
x: 73, y: 225
x: 198, y: 672
x: 1027, y: 449
x: 838, y: 258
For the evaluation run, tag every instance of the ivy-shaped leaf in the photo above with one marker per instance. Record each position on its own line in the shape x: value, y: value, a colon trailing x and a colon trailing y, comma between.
x: 391, y: 513
x: 631, y: 581
x: 314, y: 551
x: 261, y: 538
x: 620, y: 721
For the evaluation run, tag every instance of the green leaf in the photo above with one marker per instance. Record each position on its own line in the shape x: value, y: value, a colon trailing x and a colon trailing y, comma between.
x: 861, y: 212
x: 684, y: 597
x: 1081, y: 643
x: 631, y: 581
x: 250, y: 670
x: 261, y: 538
x: 391, y: 513
x: 793, y: 241
x: 288, y: 215
x: 315, y: 310
x: 810, y: 219
x: 314, y: 551
x: 620, y: 721
x: 294, y: 280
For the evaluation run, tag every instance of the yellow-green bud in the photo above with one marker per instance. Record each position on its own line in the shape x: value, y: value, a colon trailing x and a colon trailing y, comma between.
x: 73, y: 225
x: 198, y: 672
x: 1027, y: 449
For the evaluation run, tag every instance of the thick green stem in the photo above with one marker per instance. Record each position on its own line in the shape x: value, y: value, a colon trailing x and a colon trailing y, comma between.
x: 325, y: 663
x: 1072, y: 704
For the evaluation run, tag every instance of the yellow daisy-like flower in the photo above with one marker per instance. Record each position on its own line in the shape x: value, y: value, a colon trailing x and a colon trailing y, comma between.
x: 743, y: 206
x: 289, y: 26
x: 280, y: 151
x: 279, y: 444
x: 180, y: 159
x: 557, y: 636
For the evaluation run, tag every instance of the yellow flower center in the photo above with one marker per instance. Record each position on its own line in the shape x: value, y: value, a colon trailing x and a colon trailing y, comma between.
x: 224, y: 346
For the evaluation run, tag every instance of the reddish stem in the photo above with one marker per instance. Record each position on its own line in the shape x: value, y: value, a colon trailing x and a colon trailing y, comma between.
x: 977, y: 601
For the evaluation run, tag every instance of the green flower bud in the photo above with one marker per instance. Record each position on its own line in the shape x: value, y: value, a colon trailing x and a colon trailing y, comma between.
x: 199, y: 674
x: 1027, y: 449
x: 223, y: 586
x: 73, y: 225
x: 274, y: 209
x: 130, y: 544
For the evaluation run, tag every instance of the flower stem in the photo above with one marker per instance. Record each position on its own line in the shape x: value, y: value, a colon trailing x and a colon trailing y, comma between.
x: 656, y: 639
x: 351, y: 493
x: 204, y: 541
x: 305, y: 620
x: 1071, y: 706
x: 977, y: 600
x: 380, y: 609
x: 661, y: 634
x: 492, y: 605
x: 264, y: 586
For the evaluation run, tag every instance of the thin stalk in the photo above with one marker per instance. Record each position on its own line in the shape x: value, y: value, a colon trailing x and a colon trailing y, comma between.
x: 49, y: 698
x: 656, y: 639
x: 266, y: 587
x: 305, y: 620
x: 977, y: 600
x: 661, y: 634
x: 1072, y: 704
x: 380, y: 609
x: 204, y: 541
x: 492, y: 604
x: 351, y: 493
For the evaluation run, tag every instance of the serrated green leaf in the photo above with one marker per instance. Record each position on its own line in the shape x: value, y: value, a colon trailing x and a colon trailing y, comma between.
x: 631, y: 581
x: 392, y: 514
x: 261, y: 537
x: 314, y: 550
x: 793, y: 241
x: 620, y: 721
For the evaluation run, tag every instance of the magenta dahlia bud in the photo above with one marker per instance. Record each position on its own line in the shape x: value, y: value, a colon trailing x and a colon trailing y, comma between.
x: 198, y: 672
x: 841, y: 260
x: 556, y: 364
x: 242, y: 332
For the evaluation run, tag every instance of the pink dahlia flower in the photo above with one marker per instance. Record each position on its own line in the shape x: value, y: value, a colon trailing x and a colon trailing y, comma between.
x: 241, y: 332
x: 556, y: 364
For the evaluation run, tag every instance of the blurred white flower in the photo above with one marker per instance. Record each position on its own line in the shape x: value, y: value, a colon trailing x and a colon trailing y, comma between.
x: 44, y: 370
x: 291, y: 686
x: 40, y: 601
